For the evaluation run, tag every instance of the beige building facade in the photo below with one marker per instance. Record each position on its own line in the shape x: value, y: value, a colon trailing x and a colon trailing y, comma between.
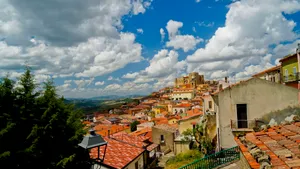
x: 237, y: 107
x: 183, y: 94
x: 184, y: 124
x: 208, y: 103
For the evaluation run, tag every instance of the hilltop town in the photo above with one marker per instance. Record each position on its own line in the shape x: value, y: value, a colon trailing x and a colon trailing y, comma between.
x: 206, y: 115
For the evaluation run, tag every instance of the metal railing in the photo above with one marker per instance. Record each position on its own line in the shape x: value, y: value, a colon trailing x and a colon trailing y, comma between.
x: 291, y: 77
x: 243, y: 124
x: 215, y: 160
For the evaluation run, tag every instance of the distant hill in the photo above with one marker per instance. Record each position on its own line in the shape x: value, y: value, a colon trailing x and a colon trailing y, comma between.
x: 109, y: 97
x: 101, y: 103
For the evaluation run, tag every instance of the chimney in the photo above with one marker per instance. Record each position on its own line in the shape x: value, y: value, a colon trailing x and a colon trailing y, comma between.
x: 108, y: 133
x: 226, y: 79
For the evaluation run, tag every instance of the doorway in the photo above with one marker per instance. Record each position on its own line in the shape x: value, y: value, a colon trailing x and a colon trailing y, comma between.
x: 242, y: 115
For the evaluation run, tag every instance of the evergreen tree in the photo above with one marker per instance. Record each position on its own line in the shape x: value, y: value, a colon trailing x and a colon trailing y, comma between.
x: 37, y: 128
x: 133, y: 125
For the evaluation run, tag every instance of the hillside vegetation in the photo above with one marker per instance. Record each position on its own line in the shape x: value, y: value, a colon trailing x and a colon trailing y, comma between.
x: 89, y: 106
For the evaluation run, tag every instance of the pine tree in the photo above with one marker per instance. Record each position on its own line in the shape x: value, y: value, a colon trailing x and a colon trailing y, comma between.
x: 37, y: 128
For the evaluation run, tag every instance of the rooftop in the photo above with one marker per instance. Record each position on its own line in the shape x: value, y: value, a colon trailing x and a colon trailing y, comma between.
x: 151, y: 147
x: 183, y: 105
x: 268, y: 70
x: 118, y: 154
x: 288, y: 57
x: 103, y: 129
x: 166, y: 127
x: 281, y: 143
x: 191, y: 114
x: 142, y: 132
x: 146, y: 124
x: 131, y: 139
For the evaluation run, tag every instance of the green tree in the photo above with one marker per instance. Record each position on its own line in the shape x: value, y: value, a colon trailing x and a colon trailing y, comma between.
x: 198, y: 134
x: 133, y: 125
x: 37, y: 128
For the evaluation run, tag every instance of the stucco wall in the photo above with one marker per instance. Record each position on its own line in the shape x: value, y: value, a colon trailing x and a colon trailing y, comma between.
x: 261, y: 97
x: 178, y: 109
x: 140, y: 161
x: 182, y: 95
x: 206, y: 103
x: 172, y: 121
x: 168, y: 136
x: 187, y: 124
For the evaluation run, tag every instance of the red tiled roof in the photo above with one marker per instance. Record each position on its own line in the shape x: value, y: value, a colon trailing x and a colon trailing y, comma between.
x: 140, y: 106
x: 143, y: 131
x: 183, y: 105
x: 152, y: 146
x: 131, y: 139
x: 87, y: 122
x: 149, y: 134
x: 174, y: 117
x: 103, y: 129
x: 276, y: 142
x: 160, y: 120
x: 118, y: 154
x: 166, y: 127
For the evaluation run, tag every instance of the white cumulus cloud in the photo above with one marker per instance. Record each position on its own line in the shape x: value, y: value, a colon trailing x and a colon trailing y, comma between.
x: 177, y: 41
x: 99, y: 83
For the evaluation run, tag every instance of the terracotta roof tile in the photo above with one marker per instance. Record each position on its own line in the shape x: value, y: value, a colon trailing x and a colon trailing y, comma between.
x: 103, y: 129
x: 131, y: 139
x: 151, y: 147
x: 118, y: 154
x: 166, y: 127
x: 277, y: 142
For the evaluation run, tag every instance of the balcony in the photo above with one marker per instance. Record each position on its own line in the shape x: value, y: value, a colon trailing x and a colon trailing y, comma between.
x: 292, y: 77
x: 243, y: 125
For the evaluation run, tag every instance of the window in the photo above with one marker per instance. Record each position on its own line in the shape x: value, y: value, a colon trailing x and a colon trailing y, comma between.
x: 137, y: 165
x: 294, y: 71
x: 242, y: 116
x: 210, y: 104
x: 286, y: 75
x: 162, y: 138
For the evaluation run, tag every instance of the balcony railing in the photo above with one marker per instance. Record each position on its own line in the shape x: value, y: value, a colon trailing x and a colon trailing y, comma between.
x: 215, y: 160
x: 243, y: 124
x: 292, y: 77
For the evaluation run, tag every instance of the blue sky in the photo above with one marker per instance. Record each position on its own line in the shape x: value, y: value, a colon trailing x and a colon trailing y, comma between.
x: 105, y: 47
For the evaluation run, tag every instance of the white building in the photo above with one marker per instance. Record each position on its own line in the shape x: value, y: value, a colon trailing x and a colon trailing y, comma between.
x: 183, y: 94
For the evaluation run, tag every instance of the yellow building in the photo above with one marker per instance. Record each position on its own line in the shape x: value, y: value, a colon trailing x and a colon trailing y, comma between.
x: 172, y: 120
x: 158, y: 109
x: 192, y: 80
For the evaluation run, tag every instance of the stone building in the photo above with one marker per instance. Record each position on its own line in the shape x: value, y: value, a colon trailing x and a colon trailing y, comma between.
x: 164, y: 135
x: 192, y: 80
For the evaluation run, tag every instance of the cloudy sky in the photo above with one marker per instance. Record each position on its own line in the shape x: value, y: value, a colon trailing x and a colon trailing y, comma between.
x: 105, y: 47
